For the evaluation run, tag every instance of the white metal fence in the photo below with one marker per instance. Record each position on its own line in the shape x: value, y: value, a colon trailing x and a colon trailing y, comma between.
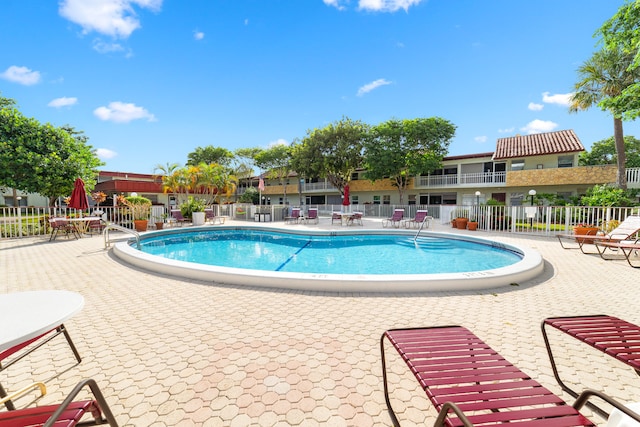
x: 539, y: 220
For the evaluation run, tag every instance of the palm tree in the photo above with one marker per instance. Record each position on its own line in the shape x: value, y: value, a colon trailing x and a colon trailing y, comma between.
x: 166, y: 174
x: 605, y: 76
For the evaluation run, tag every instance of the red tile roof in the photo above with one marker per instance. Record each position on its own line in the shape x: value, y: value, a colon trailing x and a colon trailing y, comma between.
x: 563, y: 141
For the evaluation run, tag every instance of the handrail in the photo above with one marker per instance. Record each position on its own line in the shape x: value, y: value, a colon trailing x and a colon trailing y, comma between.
x: 420, y: 228
x: 111, y: 226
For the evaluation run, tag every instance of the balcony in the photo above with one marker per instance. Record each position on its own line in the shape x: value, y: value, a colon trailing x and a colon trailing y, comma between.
x: 483, y: 179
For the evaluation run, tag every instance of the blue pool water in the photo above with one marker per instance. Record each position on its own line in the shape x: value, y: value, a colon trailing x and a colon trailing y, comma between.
x: 327, y: 254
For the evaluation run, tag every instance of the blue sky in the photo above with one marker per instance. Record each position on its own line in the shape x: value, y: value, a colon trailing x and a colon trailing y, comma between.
x: 148, y: 81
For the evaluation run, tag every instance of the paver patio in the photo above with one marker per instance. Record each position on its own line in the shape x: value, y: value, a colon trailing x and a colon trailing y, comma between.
x: 172, y: 352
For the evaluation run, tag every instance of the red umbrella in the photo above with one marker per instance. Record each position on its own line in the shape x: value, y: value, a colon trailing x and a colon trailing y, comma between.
x: 79, y: 198
x: 345, y: 199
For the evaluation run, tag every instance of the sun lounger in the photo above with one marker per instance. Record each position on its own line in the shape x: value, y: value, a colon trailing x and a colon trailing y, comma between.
x: 625, y: 231
x: 610, y: 335
x: 176, y: 216
x: 294, y: 218
x: 469, y: 383
x: 395, y: 219
x: 69, y: 413
x: 312, y: 216
x: 627, y: 248
x: 417, y: 220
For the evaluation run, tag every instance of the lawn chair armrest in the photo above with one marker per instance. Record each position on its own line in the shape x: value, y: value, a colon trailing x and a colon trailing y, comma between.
x: 452, y: 407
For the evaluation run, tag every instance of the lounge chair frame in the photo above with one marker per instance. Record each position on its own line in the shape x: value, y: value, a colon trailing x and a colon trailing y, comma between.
x: 610, y: 335
x: 469, y: 382
x: 621, y: 233
x: 627, y: 248
x: 38, y: 342
x: 68, y: 413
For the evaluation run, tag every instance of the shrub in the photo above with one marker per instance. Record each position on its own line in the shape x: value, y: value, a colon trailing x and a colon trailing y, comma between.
x: 192, y: 205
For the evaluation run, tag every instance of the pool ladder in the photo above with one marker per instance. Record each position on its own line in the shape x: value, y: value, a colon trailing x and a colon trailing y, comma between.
x: 426, y: 221
x: 112, y: 226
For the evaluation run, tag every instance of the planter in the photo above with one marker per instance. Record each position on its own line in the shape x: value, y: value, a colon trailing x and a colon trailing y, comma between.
x: 585, y: 231
x: 472, y: 225
x: 198, y: 218
x: 453, y: 223
x: 159, y: 225
x: 140, y: 224
x: 461, y: 223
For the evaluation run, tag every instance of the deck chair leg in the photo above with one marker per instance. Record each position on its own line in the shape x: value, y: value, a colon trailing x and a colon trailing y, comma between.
x: 62, y: 329
x: 385, y: 384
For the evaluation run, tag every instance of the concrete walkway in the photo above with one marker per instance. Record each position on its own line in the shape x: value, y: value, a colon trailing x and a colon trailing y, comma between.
x: 172, y: 352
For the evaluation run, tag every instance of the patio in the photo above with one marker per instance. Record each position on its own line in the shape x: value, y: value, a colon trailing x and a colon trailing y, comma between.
x: 166, y: 351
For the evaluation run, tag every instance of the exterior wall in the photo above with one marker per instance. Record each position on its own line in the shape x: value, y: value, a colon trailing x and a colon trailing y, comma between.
x: 28, y: 199
x: 585, y: 175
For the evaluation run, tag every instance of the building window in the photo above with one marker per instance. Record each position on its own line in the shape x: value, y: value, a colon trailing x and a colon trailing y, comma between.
x: 517, y: 164
x: 354, y: 176
x: 376, y: 200
x: 354, y: 200
x: 565, y: 161
x: 386, y: 199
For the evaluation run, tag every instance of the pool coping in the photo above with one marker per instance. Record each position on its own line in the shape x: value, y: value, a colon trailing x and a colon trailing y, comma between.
x: 531, y: 265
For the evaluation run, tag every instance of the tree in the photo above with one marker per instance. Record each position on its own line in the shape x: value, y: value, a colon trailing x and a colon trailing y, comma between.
x: 605, y: 75
x: 41, y: 158
x: 401, y: 149
x: 622, y: 31
x: 334, y: 152
x: 604, y: 153
x: 277, y: 162
x: 209, y: 155
x: 165, y: 173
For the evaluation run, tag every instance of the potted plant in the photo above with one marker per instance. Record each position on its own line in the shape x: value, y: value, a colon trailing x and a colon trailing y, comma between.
x: 472, y: 224
x: 159, y: 221
x: 584, y: 229
x: 140, y: 208
x: 194, y: 209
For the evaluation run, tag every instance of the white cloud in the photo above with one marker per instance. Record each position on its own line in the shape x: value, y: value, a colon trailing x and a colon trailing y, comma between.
x: 334, y: 3
x: 375, y: 5
x: 280, y: 141
x: 371, y: 86
x: 506, y: 130
x: 63, y: 102
x: 539, y: 126
x: 106, y: 47
x: 115, y: 18
x: 482, y: 138
x: 198, y: 35
x: 535, y: 107
x: 105, y: 153
x: 387, y: 5
x: 121, y: 112
x: 21, y: 75
x: 559, y: 98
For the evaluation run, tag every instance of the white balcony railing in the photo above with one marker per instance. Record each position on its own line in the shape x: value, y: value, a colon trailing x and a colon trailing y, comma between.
x: 486, y: 178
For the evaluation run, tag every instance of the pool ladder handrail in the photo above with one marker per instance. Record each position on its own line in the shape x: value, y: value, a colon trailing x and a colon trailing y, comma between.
x: 426, y: 220
x: 112, y: 226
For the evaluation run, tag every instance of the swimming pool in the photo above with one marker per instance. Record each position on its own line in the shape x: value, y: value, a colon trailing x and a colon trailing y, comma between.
x: 350, y: 261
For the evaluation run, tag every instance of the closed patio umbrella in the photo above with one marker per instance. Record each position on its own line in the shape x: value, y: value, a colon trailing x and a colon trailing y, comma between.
x: 79, y: 198
x: 345, y: 199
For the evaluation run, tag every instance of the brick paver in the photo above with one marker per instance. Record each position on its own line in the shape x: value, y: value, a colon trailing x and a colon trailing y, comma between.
x: 169, y: 352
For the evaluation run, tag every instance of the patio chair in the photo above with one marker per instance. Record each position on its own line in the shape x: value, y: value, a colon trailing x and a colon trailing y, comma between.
x: 294, y: 218
x: 95, y: 226
x: 312, y: 216
x: 395, y: 219
x: 354, y: 219
x: 627, y: 229
x: 63, y: 225
x: 69, y: 413
x: 417, y: 220
x: 176, y: 215
x: 211, y: 217
x: 335, y: 216
x: 469, y: 383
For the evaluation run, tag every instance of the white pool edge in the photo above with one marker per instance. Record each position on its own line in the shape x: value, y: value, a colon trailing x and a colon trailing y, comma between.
x: 531, y: 265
